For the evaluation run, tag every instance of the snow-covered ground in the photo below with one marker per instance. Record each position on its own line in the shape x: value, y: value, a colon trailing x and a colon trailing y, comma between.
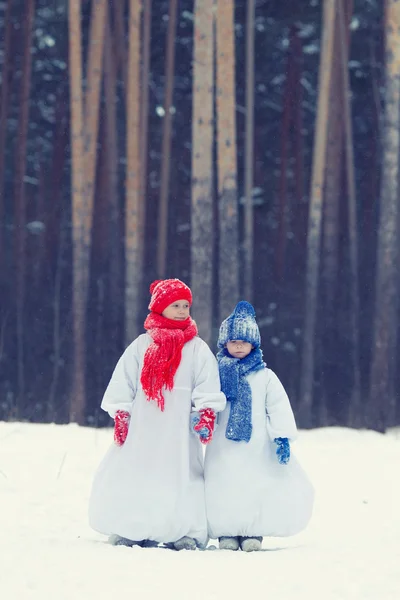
x: 351, y: 549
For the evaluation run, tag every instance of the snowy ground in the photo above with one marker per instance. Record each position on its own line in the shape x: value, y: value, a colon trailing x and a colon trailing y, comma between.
x: 351, y: 550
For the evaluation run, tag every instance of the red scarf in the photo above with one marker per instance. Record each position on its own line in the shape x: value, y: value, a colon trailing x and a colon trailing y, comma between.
x: 163, y: 356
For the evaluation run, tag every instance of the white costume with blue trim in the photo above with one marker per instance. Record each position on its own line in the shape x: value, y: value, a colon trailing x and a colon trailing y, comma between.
x: 248, y: 493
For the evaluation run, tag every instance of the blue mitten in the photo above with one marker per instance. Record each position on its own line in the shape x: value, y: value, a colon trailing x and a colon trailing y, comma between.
x: 194, y: 420
x: 283, y: 450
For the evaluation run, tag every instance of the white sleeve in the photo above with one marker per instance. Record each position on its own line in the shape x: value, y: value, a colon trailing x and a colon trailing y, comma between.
x: 280, y: 418
x: 121, y: 390
x: 207, y: 386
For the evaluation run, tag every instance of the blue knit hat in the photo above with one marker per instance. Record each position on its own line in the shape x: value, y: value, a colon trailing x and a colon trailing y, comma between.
x: 240, y: 325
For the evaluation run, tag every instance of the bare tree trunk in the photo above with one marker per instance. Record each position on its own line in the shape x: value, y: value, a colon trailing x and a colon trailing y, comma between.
x: 37, y: 256
x: 166, y: 144
x: 333, y: 179
x: 355, y: 402
x: 57, y: 344
x: 115, y: 262
x: 133, y: 224
x: 120, y: 38
x: 382, y: 402
x: 330, y: 264
x: 53, y: 211
x: 315, y: 216
x: 301, y: 213
x: 227, y: 160
x: 3, y: 119
x: 78, y: 398
x: 91, y: 120
x: 20, y: 207
x: 144, y: 126
x: 248, y: 155
x: 202, y: 169
x: 285, y: 138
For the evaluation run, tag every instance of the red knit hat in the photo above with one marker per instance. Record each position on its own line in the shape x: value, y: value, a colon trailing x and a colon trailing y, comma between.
x: 166, y: 291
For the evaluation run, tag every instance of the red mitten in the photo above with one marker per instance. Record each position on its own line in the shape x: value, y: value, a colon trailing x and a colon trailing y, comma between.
x: 205, y: 426
x: 121, y: 425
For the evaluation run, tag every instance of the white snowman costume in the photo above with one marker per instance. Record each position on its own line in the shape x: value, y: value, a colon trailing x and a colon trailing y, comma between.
x: 248, y: 492
x: 152, y: 487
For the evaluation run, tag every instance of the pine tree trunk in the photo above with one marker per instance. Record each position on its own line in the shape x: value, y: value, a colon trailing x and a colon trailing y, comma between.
x: 120, y: 38
x: 249, y: 155
x: 54, y: 206
x: 144, y: 122
x: 37, y: 256
x: 57, y: 337
x: 133, y: 224
x: 355, y: 401
x: 114, y: 230
x: 285, y: 138
x: 382, y: 402
x: 202, y: 169
x: 332, y: 190
x: 3, y: 120
x: 330, y: 264
x: 166, y: 144
x: 91, y: 120
x: 300, y: 218
x: 227, y: 160
x: 315, y: 217
x: 20, y: 205
x: 78, y: 397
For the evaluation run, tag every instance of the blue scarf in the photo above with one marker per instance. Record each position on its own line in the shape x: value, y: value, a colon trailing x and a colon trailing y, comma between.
x: 233, y: 372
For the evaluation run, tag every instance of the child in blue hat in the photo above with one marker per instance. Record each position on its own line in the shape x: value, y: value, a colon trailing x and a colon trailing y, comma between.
x: 254, y: 485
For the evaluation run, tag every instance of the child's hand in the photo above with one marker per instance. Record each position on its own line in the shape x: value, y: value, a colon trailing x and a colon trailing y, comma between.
x: 202, y: 423
x: 283, y: 450
x: 121, y: 425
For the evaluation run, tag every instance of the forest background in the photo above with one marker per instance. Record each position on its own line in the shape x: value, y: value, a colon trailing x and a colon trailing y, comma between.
x: 249, y: 148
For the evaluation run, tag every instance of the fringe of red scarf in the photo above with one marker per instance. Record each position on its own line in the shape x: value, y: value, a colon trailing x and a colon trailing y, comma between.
x: 162, y: 358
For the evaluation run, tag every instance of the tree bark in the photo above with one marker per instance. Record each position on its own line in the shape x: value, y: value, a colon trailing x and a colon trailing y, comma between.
x: 114, y: 230
x: 54, y: 206
x: 333, y: 180
x: 315, y: 216
x: 355, y: 401
x: 120, y: 38
x: 285, y: 139
x: 227, y: 160
x: 3, y: 119
x: 300, y: 220
x: 133, y: 224
x: 20, y: 205
x: 144, y: 125
x: 333, y: 177
x: 166, y: 144
x: 248, y: 155
x: 78, y: 398
x: 382, y: 401
x: 91, y: 120
x: 202, y: 143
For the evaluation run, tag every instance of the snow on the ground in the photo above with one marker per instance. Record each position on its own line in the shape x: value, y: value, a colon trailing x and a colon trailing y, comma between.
x: 350, y: 551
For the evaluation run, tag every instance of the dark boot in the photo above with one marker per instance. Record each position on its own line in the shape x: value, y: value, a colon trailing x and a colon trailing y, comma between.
x: 250, y: 543
x: 228, y: 543
x: 118, y: 540
x: 185, y: 543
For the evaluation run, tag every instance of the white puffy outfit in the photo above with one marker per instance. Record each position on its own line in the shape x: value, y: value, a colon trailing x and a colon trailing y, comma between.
x: 152, y: 487
x: 248, y: 493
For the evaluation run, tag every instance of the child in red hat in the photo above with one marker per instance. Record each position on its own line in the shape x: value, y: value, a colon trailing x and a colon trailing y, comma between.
x: 163, y: 395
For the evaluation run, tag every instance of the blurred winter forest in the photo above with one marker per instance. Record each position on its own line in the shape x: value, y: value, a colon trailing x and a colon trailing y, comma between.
x: 249, y: 148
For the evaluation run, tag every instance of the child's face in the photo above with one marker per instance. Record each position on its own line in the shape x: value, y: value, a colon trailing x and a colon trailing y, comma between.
x: 177, y: 311
x: 239, y: 348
